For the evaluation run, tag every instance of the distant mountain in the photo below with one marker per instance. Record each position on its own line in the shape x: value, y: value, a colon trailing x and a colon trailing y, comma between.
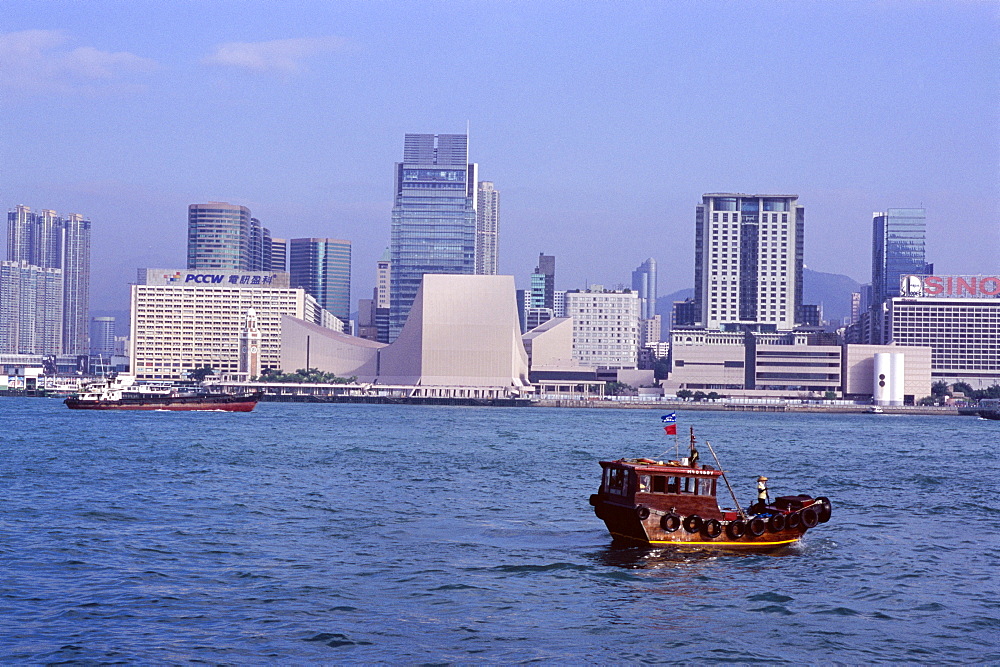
x: 830, y: 290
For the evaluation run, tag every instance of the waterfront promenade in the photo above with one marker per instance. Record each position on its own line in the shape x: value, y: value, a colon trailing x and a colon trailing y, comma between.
x: 725, y: 406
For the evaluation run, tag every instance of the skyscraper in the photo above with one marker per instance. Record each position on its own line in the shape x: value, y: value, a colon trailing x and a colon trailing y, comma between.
x: 102, y: 336
x: 383, y: 278
x: 225, y: 236
x: 47, y: 241
x: 433, y: 217
x: 31, y: 309
x: 543, y: 283
x: 644, y: 282
x: 279, y: 255
x: 322, y: 267
x: 75, y: 266
x: 260, y: 246
x: 748, y: 260
x: 898, y: 249
x: 898, y: 244
x: 20, y: 230
x: 487, y: 228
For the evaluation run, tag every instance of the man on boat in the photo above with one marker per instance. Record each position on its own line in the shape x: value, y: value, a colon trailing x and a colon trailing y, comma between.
x: 761, y: 495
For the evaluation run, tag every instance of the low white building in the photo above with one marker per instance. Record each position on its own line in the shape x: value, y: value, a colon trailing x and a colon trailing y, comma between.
x: 191, y: 318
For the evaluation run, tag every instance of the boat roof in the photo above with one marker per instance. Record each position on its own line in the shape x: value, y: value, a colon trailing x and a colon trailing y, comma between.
x: 662, y: 467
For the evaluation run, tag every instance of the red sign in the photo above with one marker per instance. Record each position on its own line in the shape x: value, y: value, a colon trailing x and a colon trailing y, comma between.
x: 950, y: 286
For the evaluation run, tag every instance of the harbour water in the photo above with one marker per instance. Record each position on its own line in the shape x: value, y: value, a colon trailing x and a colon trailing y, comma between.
x: 366, y: 533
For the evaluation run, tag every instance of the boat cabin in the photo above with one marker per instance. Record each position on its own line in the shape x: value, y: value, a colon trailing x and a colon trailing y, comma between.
x: 667, y: 486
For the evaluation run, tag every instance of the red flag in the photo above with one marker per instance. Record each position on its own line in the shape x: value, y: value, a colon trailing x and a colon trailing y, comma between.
x: 671, y: 429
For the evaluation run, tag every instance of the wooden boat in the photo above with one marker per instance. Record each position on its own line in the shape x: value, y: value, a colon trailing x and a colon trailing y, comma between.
x: 125, y: 393
x: 654, y: 503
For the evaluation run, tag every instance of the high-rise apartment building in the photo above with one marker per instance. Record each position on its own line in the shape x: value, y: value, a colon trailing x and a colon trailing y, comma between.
x: 644, y: 282
x: 47, y: 241
x: 322, y: 267
x: 75, y: 254
x: 31, y: 309
x: 748, y: 260
x: 226, y: 236
x: 20, y: 231
x: 433, y: 217
x: 487, y: 228
x: 382, y: 302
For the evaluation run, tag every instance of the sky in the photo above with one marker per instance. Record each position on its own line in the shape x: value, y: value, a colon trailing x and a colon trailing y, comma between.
x: 601, y: 123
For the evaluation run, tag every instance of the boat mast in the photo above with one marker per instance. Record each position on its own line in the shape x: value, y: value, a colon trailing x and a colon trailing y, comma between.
x: 726, y: 480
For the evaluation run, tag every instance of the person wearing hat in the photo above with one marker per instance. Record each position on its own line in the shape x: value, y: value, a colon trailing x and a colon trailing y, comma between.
x: 761, y: 495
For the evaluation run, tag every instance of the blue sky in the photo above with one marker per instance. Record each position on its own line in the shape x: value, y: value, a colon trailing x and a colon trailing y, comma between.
x: 600, y: 123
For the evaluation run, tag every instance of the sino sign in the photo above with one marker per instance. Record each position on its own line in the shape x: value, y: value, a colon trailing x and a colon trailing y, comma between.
x: 950, y: 286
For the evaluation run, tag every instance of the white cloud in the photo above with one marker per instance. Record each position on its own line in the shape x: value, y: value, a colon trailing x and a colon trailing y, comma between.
x: 43, y: 61
x: 279, y: 55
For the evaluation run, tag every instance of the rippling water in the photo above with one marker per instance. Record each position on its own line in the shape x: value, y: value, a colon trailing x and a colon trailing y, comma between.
x: 355, y: 533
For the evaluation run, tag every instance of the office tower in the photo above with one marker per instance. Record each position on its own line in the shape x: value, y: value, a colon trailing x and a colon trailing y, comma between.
x: 322, y: 267
x: 898, y: 244
x: 748, y: 260
x: 433, y: 217
x: 278, y: 256
x: 487, y: 228
x: 683, y: 314
x: 219, y: 236
x: 31, y: 309
x: 48, y: 241
x: 559, y: 303
x: 102, y: 336
x: 898, y: 249
x: 383, y: 276
x: 543, y: 283
x: 644, y: 282
x: 259, y: 258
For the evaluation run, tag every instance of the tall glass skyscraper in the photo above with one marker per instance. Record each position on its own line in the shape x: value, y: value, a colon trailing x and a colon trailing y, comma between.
x: 433, y: 217
x: 543, y: 283
x: 898, y: 249
x: 225, y: 236
x: 322, y: 267
x: 644, y: 282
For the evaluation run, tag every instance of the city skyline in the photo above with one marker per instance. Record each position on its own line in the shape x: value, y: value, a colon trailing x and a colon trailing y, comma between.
x: 602, y: 131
